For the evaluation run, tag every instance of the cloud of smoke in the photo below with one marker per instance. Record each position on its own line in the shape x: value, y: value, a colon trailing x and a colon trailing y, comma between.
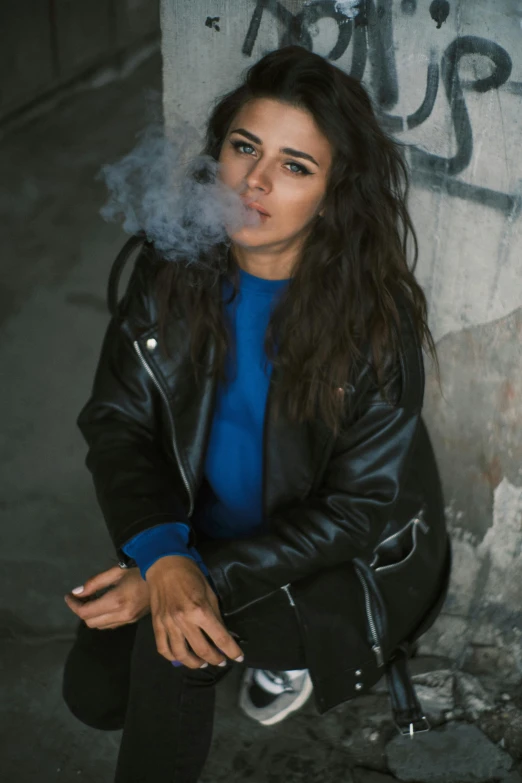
x: 179, y: 203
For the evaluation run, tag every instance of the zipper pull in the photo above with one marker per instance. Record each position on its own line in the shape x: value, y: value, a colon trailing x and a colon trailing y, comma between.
x: 378, y: 654
x: 286, y: 588
x: 421, y: 523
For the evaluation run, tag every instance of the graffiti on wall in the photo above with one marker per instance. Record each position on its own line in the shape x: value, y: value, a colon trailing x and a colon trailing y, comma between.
x: 368, y: 26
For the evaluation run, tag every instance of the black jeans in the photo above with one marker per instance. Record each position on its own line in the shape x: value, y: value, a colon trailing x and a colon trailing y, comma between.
x: 116, y: 679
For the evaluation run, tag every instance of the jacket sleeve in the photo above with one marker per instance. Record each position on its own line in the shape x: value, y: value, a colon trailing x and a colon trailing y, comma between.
x: 136, y: 484
x: 345, y: 517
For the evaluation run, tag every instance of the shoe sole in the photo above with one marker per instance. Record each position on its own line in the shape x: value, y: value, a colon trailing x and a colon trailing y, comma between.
x: 297, y: 704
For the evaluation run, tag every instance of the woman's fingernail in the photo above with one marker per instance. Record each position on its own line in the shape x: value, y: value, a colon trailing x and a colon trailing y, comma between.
x: 203, y: 666
x: 176, y: 663
x: 77, y: 590
x: 240, y: 658
x: 223, y: 663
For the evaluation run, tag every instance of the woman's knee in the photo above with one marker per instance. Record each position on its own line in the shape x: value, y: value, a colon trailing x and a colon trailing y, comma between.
x: 96, y: 715
x: 95, y: 682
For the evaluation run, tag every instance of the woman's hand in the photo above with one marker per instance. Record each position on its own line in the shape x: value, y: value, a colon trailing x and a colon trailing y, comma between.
x: 126, y: 599
x: 185, y: 611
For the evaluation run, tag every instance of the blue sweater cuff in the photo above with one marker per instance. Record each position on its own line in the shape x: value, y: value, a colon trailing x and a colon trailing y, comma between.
x: 170, y: 538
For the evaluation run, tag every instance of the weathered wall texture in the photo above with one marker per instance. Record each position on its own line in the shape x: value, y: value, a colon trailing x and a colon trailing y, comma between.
x: 447, y: 78
x: 48, y: 43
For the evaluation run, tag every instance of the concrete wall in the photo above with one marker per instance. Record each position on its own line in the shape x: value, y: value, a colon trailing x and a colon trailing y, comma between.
x: 49, y: 43
x: 448, y: 80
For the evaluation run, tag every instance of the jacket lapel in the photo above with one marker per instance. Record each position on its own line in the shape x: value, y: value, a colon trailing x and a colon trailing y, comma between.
x: 190, y: 403
x: 294, y: 453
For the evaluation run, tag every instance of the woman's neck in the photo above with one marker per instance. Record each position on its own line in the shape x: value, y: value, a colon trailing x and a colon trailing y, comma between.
x: 265, y: 264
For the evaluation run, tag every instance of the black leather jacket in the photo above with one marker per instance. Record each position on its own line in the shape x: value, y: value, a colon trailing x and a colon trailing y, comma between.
x: 356, y: 522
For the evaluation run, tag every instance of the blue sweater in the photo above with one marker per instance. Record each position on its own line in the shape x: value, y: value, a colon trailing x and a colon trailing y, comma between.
x: 234, y: 459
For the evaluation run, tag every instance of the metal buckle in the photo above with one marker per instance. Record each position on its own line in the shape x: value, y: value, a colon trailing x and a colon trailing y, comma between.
x: 409, y: 729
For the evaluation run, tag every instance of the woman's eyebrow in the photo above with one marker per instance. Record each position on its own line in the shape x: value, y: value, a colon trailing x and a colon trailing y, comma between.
x: 284, y: 150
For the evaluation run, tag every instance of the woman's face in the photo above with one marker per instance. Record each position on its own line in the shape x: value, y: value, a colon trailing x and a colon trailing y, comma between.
x: 275, y: 155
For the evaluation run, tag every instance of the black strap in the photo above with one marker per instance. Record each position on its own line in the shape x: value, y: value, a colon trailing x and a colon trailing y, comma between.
x: 115, y: 274
x: 406, y: 708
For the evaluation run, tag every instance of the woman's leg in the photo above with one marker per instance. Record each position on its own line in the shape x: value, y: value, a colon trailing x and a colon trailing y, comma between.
x: 96, y: 675
x: 169, y: 721
x: 168, y: 726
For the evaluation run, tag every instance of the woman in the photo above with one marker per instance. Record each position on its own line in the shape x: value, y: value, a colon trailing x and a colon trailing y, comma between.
x: 256, y: 440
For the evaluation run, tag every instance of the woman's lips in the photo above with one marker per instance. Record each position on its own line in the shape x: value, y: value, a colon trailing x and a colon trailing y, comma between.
x: 263, y: 215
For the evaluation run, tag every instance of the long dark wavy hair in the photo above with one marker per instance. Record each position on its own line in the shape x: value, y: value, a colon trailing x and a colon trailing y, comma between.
x: 339, y: 307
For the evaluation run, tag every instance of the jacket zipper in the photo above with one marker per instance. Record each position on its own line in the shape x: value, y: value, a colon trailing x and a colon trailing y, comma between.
x: 376, y: 647
x: 171, y: 420
x: 285, y: 588
x: 417, y: 520
x: 250, y: 603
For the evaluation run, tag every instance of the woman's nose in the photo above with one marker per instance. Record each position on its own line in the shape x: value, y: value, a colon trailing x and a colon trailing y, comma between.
x: 258, y: 177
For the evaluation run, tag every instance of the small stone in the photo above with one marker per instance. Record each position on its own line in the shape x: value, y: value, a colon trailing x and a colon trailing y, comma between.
x: 505, y: 697
x: 436, y: 678
x: 472, y: 696
x: 434, y: 702
x: 454, y: 752
x: 494, y: 724
x: 374, y: 736
x: 435, y: 692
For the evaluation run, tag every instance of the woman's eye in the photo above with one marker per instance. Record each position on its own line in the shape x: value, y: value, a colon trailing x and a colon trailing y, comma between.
x: 238, y: 144
x: 298, y: 169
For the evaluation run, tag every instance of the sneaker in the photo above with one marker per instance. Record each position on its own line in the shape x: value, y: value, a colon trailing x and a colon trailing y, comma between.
x: 269, y: 696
